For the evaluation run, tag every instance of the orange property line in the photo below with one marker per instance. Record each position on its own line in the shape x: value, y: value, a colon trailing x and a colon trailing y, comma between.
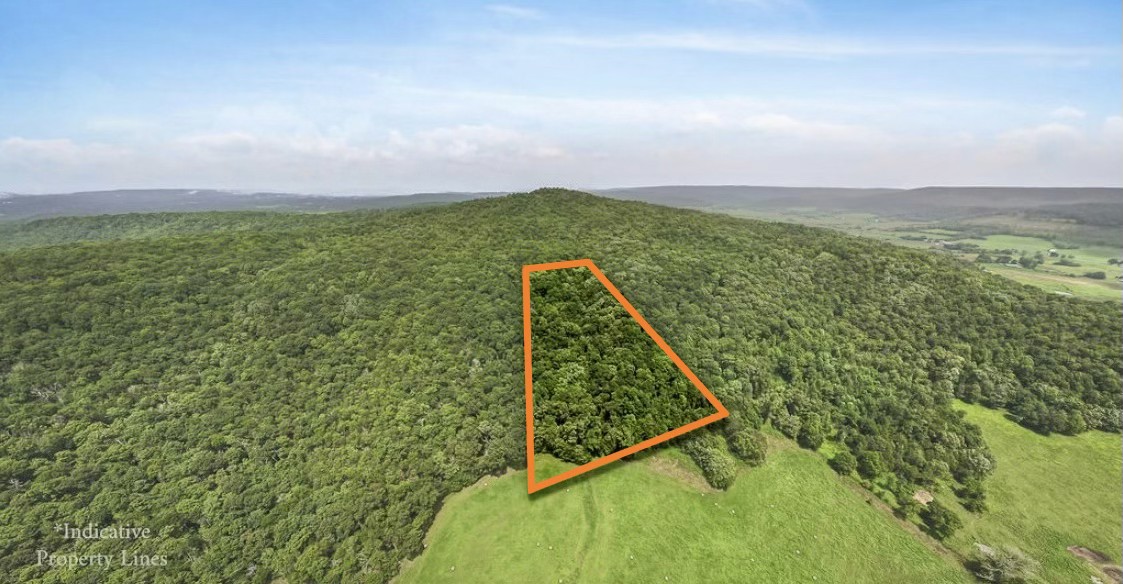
x: 528, y: 379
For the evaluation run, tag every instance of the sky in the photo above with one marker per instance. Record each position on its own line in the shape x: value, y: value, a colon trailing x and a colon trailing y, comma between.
x: 393, y: 97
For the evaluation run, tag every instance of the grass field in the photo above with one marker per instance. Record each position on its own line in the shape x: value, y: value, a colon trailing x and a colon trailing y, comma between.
x: 1078, y: 287
x: 653, y: 520
x: 1048, y: 493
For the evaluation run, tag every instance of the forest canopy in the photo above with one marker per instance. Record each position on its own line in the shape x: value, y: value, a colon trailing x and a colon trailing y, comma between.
x: 295, y: 399
x: 601, y: 384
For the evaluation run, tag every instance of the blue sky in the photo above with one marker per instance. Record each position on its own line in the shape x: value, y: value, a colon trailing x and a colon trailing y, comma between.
x: 393, y: 97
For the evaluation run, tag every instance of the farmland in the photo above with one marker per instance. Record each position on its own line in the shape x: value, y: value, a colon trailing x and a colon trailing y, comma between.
x: 1087, y: 249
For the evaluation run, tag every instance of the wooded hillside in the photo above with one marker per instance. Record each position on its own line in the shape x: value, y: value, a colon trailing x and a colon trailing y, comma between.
x: 296, y: 402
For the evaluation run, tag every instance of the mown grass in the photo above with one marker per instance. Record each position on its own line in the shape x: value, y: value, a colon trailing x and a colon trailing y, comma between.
x: 1048, y: 493
x: 791, y: 520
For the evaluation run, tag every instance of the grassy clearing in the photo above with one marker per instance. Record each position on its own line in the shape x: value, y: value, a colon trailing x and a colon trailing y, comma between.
x: 791, y: 520
x: 1078, y: 287
x: 1048, y: 493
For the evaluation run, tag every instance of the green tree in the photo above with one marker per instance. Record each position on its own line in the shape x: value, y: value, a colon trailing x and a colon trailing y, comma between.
x: 844, y: 463
x: 973, y: 496
x: 939, y: 521
x: 869, y: 464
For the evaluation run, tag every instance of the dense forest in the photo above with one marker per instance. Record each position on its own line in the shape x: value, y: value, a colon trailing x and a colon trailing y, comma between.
x: 295, y: 402
x: 601, y: 384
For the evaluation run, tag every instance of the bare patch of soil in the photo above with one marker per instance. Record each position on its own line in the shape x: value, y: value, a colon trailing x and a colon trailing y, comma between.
x: 1099, y: 560
x: 923, y: 497
x: 1087, y: 554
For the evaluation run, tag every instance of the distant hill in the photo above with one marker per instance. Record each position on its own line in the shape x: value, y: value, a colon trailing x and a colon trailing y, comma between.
x: 1084, y: 205
x: 22, y: 207
x: 739, y: 197
x: 958, y: 202
x: 921, y: 203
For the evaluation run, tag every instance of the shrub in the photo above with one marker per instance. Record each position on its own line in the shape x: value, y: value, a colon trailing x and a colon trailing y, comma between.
x: 1005, y: 565
x: 788, y: 424
x: 749, y: 446
x: 907, y: 507
x: 939, y: 521
x: 844, y: 463
x: 709, y: 453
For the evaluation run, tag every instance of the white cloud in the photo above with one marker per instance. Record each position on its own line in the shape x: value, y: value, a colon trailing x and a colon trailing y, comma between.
x: 811, y: 47
x: 1068, y: 112
x: 474, y: 144
x: 1039, y: 143
x: 513, y: 11
x: 309, y: 148
x: 45, y: 165
x: 785, y: 125
x: 1052, y: 154
x: 454, y: 158
x: 775, y: 127
x: 1113, y: 128
x: 703, y: 147
x: 18, y: 154
x: 566, y: 140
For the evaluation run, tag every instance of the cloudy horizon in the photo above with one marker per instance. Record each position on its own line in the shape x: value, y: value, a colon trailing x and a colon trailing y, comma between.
x: 403, y: 97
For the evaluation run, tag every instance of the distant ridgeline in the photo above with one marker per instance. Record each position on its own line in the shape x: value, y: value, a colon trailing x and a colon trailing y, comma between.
x: 293, y: 400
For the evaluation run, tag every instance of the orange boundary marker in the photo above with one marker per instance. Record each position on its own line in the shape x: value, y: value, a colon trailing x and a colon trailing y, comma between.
x: 531, y: 484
